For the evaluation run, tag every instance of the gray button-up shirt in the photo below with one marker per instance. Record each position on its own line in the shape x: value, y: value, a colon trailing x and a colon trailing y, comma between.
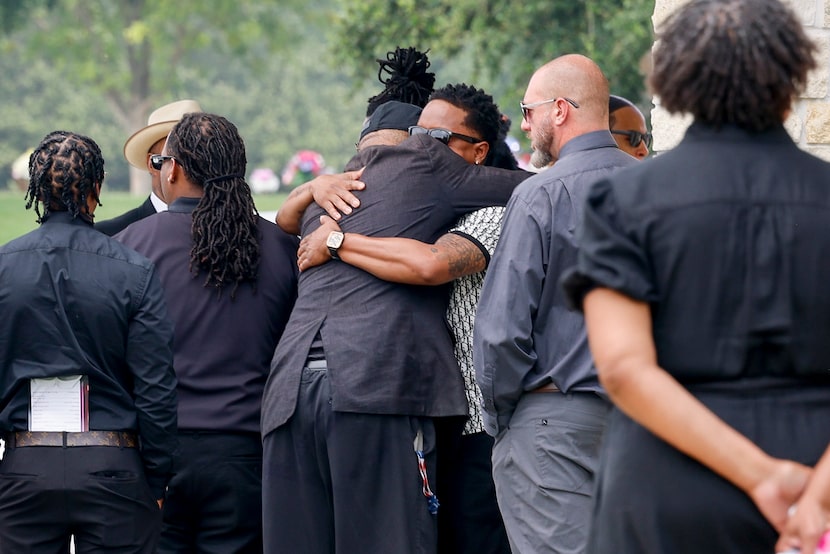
x: 525, y: 335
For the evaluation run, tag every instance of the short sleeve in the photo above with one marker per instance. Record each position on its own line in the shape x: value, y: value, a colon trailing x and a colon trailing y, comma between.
x: 610, y: 254
x: 481, y: 227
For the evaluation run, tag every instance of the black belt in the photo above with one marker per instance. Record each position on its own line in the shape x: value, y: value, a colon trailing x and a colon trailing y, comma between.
x: 121, y: 439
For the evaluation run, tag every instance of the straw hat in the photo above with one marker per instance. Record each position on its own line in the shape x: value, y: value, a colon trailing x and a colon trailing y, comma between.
x: 158, y: 127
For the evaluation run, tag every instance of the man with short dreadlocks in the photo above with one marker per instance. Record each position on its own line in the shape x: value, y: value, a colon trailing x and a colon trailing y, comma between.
x: 81, y: 310
x: 230, y: 280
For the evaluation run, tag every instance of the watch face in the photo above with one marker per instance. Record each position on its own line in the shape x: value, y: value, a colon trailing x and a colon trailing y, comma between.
x: 335, y: 239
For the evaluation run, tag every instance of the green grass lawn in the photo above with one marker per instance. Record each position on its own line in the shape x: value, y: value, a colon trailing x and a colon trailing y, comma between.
x: 16, y: 220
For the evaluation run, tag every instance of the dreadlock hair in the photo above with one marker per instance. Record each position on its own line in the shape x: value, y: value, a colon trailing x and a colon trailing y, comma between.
x: 483, y: 114
x: 65, y: 170
x: 408, y: 80
x: 732, y: 62
x: 224, y: 229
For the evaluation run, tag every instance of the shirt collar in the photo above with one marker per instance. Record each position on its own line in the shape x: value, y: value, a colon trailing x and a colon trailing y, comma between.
x: 588, y: 141
x: 183, y: 205
x: 158, y: 203
x: 698, y: 132
x: 66, y: 218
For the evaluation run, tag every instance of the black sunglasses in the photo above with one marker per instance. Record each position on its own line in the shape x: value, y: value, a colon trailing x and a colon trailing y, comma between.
x: 443, y: 135
x: 156, y: 160
x: 635, y: 137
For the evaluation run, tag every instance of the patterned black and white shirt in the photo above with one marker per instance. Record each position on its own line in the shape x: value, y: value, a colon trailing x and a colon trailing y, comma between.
x: 483, y: 227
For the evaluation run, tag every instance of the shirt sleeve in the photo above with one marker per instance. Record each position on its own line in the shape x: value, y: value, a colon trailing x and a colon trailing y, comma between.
x: 467, y: 186
x: 482, y: 228
x: 610, y: 252
x: 503, y: 350
x: 150, y: 358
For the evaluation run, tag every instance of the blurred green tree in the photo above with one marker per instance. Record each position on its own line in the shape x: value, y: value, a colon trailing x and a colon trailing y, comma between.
x: 135, y: 52
x: 505, y: 41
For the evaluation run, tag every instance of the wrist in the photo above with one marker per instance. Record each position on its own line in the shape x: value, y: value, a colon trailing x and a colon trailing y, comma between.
x: 754, y: 471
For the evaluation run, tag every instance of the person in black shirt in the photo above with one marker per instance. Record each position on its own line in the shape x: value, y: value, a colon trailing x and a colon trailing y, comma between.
x: 230, y: 279
x: 704, y: 275
x: 76, y: 303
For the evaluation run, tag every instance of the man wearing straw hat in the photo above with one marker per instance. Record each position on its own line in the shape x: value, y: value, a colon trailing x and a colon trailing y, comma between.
x: 139, y: 147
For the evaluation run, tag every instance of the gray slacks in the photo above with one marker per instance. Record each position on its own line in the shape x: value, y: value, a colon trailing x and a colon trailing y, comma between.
x: 544, y: 465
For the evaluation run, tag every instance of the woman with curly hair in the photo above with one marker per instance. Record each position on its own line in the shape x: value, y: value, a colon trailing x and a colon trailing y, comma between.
x: 702, y: 274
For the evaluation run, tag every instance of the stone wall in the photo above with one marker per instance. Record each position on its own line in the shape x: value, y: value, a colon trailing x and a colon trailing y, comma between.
x: 809, y: 121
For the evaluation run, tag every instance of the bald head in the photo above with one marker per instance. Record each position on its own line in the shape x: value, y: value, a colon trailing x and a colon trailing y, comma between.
x: 565, y: 98
x: 577, y: 78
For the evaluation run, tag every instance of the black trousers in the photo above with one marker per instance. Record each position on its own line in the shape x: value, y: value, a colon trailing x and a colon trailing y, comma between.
x: 97, y: 493
x: 469, y: 521
x: 213, y: 503
x: 346, y: 483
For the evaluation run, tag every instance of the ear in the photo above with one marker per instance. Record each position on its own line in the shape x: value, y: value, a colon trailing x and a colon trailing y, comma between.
x: 175, y: 171
x: 150, y: 167
x: 562, y: 111
x: 481, y: 151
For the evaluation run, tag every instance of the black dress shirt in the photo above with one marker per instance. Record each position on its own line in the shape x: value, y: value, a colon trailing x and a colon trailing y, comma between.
x: 223, y: 346
x: 75, y: 302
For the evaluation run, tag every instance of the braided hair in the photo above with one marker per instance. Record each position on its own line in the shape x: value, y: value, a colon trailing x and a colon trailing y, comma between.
x: 732, y: 62
x: 65, y: 170
x: 226, y: 246
x: 408, y: 80
x: 483, y: 114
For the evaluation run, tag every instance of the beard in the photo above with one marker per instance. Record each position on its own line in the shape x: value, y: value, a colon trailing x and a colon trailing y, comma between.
x: 541, y: 159
x: 541, y: 156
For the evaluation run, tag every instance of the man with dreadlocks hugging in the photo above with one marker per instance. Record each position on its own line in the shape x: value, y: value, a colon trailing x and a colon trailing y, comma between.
x: 84, y: 315
x: 230, y: 280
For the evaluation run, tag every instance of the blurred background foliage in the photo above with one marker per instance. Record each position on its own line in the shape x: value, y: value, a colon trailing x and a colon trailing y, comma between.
x: 292, y: 74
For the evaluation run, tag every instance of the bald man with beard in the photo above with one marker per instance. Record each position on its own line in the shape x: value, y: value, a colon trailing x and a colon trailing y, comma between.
x: 542, y: 399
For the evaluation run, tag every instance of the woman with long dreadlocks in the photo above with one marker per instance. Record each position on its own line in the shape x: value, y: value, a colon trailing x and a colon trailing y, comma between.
x: 231, y: 281
x: 82, y: 310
